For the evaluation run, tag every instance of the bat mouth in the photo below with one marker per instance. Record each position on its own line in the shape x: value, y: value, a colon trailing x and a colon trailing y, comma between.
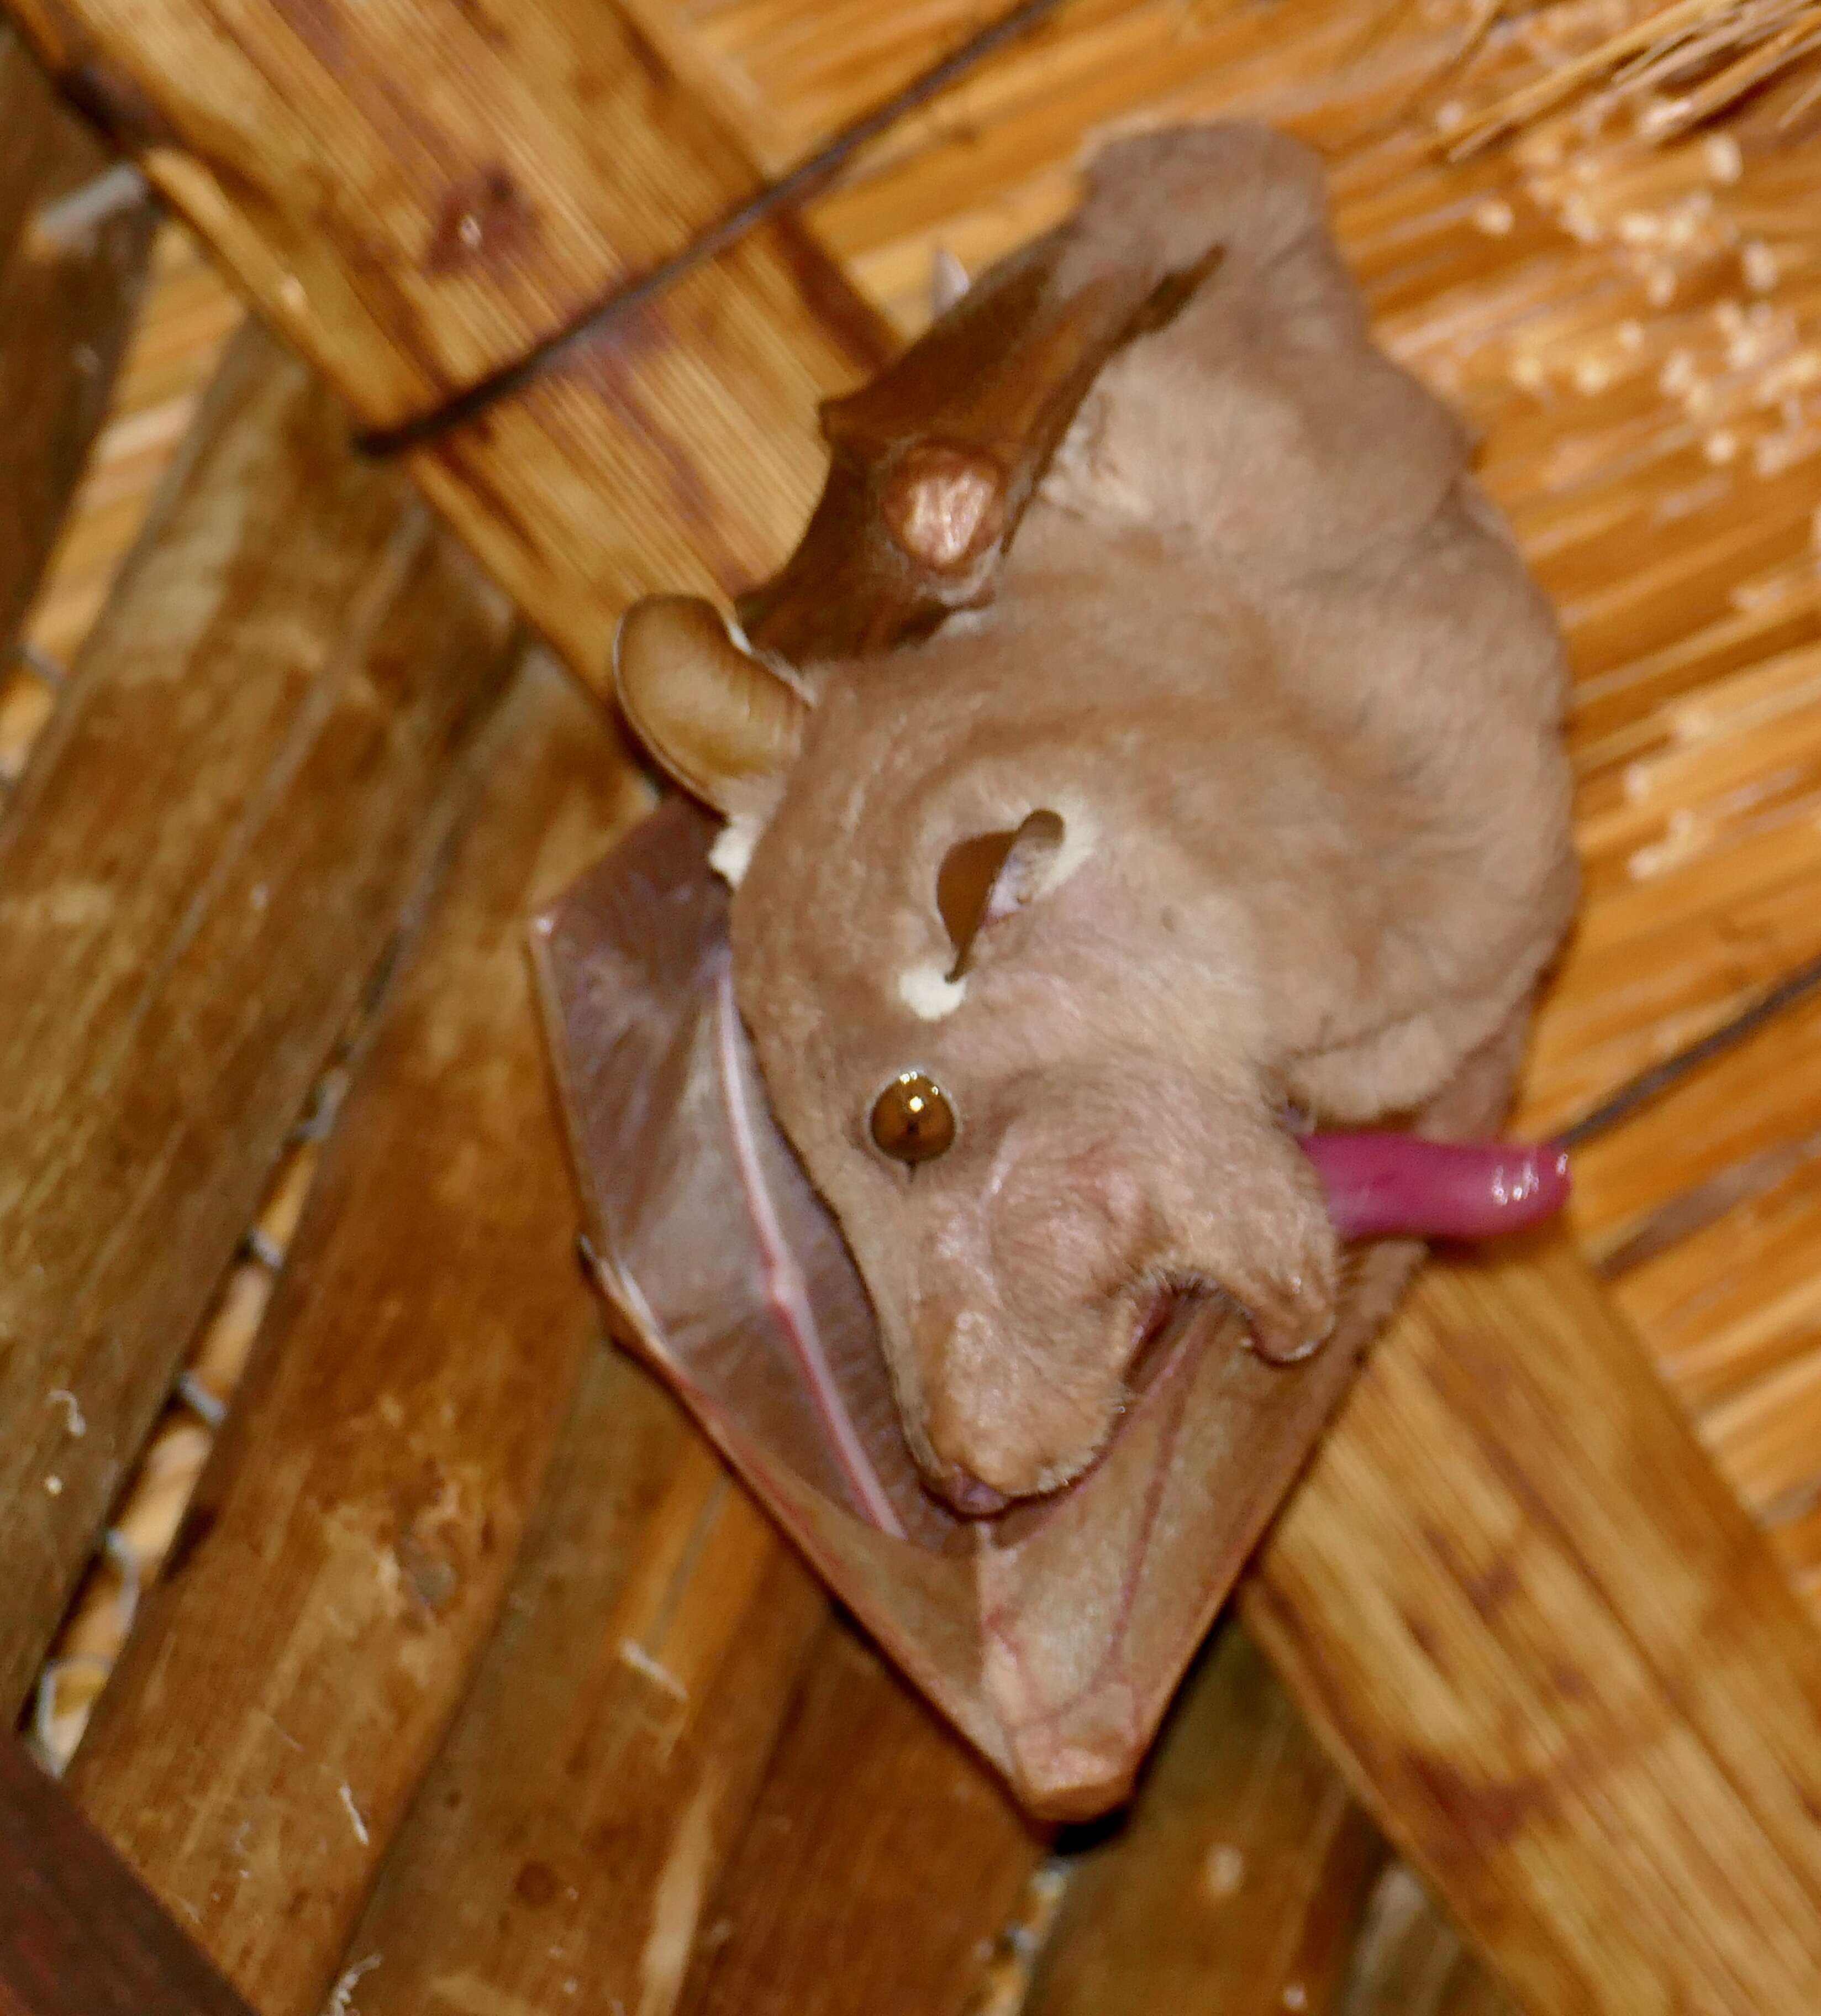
x: 1159, y: 1319
x: 1376, y: 1186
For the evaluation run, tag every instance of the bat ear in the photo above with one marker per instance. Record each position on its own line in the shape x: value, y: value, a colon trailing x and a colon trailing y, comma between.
x: 721, y: 721
x: 990, y: 875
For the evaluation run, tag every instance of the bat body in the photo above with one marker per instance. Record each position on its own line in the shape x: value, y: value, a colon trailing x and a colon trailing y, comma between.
x: 1225, y: 799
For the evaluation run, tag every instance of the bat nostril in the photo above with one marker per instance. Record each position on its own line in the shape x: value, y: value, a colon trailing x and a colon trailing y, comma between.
x: 973, y: 1498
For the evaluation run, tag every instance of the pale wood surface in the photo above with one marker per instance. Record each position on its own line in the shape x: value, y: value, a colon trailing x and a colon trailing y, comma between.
x: 351, y: 1547
x: 1241, y: 1880
x: 187, y: 315
x: 1555, y: 1656
x: 1410, y: 1961
x: 198, y: 874
x: 69, y: 286
x: 880, y: 1861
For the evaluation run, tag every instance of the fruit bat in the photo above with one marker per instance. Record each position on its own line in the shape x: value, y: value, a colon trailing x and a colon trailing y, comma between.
x: 1128, y: 834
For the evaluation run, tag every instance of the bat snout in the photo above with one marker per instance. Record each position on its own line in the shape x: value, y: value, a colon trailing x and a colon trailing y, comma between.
x: 1003, y: 1423
x: 1021, y: 1452
x: 1021, y: 1344
x: 1044, y: 1300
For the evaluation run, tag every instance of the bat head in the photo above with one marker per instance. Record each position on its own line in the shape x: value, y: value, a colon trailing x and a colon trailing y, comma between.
x: 1062, y: 871
x: 1017, y: 1041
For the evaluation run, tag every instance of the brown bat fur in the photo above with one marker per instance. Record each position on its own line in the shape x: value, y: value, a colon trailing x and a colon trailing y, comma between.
x: 1266, y: 651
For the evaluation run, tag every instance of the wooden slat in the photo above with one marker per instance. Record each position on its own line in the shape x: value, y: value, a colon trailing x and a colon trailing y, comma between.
x: 540, y: 155
x: 195, y: 879
x: 349, y: 1551
x: 1241, y: 1880
x: 576, y: 1832
x: 78, y: 1936
x: 1410, y: 1961
x: 565, y: 1850
x: 880, y: 1861
x: 1555, y: 1656
x: 74, y: 244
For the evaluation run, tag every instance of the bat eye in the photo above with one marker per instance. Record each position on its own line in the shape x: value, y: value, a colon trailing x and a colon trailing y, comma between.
x: 913, y: 1121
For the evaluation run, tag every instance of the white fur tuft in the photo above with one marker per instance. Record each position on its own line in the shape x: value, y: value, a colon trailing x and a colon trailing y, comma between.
x: 1080, y: 835
x: 929, y: 993
x: 733, y: 851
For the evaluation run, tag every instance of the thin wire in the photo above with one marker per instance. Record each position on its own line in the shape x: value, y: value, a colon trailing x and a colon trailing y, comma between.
x: 1650, y: 1085
x: 797, y: 186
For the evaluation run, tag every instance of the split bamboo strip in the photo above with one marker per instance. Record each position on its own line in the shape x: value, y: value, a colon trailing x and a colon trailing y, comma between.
x: 186, y: 317
x: 276, y: 1709
x: 566, y: 1848
x: 1731, y: 1299
x: 1716, y: 1123
x: 1008, y: 1969
x: 409, y: 242
x: 1241, y: 1878
x: 999, y: 165
x: 1554, y: 1657
x: 881, y: 1860
x: 171, y: 356
x: 144, y: 1525
x: 202, y: 867
x: 1411, y: 1962
x: 1674, y: 42
x: 75, y: 233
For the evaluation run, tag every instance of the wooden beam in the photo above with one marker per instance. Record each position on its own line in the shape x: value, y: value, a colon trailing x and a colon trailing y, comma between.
x: 1240, y: 1879
x: 1410, y: 1961
x: 203, y: 866
x: 1554, y: 1657
x: 75, y: 241
x: 349, y: 1551
x: 881, y: 1862
x: 79, y: 1935
x: 409, y: 241
x: 566, y: 1849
